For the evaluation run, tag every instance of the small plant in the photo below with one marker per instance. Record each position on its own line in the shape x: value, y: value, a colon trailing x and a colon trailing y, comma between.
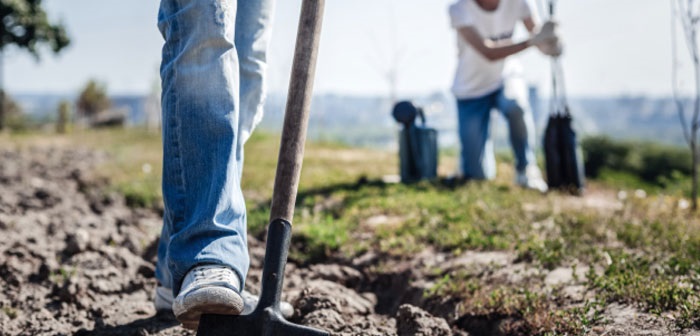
x: 578, y: 320
x: 142, y: 193
x: 460, y: 284
x: 548, y: 253
x: 63, y: 275
x: 10, y: 312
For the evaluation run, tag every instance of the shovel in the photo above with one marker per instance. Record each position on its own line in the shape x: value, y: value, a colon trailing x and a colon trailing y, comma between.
x: 267, y: 319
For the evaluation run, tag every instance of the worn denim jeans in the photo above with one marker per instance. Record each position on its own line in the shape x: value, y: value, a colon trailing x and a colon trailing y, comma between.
x: 478, y: 161
x: 213, y: 66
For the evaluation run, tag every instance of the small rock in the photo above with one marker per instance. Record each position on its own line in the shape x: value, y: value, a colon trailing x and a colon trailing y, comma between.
x: 76, y: 242
x: 574, y: 293
x: 475, y: 260
x: 413, y: 321
x: 322, y: 294
x: 565, y: 275
x: 559, y: 276
x: 324, y: 319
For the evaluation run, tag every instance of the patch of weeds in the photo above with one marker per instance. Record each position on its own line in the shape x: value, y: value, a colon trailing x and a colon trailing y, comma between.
x: 549, y: 253
x: 458, y: 285
x: 258, y: 217
x: 643, y: 281
x: 319, y: 239
x: 141, y: 193
x: 397, y: 244
x: 474, y: 217
x: 10, y: 312
x: 689, y: 316
x: 633, y: 235
x: 518, y: 302
x: 439, y: 288
x: 63, y: 275
x: 578, y: 320
x: 683, y: 265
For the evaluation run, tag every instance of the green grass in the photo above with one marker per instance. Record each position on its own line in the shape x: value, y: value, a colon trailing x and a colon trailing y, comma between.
x: 643, y: 251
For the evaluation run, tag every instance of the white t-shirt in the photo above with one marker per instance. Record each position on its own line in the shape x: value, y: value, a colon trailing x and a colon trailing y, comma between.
x: 476, y: 75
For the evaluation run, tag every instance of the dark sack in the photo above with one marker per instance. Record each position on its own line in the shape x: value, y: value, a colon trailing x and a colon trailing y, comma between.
x: 418, y: 153
x: 418, y: 146
x: 564, y: 161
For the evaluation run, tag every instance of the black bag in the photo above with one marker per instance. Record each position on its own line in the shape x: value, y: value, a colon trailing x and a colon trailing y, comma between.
x: 563, y: 158
x: 418, y: 146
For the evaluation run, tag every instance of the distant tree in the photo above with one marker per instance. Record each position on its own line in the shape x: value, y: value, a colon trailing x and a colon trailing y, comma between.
x: 388, y: 55
x: 687, y: 13
x: 10, y: 106
x: 93, y: 99
x: 24, y: 23
x: 14, y: 118
x: 63, y: 117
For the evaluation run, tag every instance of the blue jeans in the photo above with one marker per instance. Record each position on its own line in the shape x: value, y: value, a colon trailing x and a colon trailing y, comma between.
x: 213, y: 66
x: 478, y: 161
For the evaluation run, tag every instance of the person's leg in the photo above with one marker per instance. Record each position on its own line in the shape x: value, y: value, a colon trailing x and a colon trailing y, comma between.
x: 514, y: 105
x: 253, y: 30
x: 205, y: 221
x: 474, y: 115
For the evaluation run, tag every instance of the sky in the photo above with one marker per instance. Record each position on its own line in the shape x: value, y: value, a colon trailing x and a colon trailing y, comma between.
x: 620, y: 47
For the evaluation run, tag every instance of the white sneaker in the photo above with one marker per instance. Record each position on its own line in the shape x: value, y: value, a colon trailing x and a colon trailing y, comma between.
x: 208, y: 289
x: 163, y: 302
x: 531, y: 178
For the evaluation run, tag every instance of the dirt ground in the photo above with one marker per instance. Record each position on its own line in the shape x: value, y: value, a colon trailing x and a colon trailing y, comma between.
x: 75, y: 260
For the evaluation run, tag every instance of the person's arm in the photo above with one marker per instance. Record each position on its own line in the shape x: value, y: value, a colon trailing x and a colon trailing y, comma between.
x: 530, y: 25
x: 486, y: 48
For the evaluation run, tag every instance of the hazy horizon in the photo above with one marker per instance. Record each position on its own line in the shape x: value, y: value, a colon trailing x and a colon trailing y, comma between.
x: 619, y: 48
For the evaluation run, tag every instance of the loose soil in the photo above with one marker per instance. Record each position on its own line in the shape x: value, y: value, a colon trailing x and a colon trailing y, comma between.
x: 75, y: 260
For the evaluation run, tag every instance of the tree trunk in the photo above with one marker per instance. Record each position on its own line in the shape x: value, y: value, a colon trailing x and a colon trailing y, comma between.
x: 2, y: 109
x: 695, y: 123
x: 2, y: 91
x: 694, y: 190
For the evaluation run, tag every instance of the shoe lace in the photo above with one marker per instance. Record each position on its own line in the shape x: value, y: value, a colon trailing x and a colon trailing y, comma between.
x: 213, y: 273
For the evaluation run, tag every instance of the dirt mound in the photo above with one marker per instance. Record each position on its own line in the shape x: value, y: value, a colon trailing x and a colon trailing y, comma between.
x: 72, y: 253
x: 76, y: 260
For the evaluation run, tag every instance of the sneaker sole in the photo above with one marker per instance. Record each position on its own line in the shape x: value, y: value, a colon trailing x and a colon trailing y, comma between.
x: 210, y: 300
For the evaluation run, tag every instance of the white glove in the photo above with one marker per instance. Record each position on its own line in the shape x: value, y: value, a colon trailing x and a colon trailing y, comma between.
x: 552, y: 48
x: 546, y: 34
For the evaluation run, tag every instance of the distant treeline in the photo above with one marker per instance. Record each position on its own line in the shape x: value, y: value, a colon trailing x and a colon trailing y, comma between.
x: 652, y: 162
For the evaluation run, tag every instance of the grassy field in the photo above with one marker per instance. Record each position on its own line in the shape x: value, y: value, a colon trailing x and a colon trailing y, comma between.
x: 634, y: 247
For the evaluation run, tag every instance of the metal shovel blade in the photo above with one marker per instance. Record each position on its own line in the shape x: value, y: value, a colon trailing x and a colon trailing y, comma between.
x: 266, y: 319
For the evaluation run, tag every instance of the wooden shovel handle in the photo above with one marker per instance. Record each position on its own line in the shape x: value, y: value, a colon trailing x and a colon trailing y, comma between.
x: 296, y: 116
